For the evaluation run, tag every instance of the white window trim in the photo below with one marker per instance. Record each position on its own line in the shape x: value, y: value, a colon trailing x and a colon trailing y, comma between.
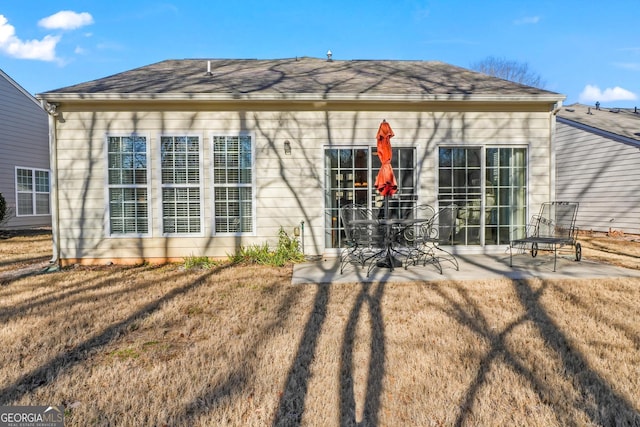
x: 33, y: 191
x: 158, y: 179
x: 107, y: 218
x: 254, y: 191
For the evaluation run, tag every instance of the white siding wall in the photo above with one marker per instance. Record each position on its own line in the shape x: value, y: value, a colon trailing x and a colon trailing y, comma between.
x: 289, y: 187
x: 601, y: 174
x: 24, y: 141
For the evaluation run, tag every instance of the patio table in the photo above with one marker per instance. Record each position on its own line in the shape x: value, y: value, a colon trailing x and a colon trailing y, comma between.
x: 393, y: 227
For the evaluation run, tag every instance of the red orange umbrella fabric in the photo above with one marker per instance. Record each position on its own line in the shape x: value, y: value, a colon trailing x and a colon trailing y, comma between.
x: 385, y: 181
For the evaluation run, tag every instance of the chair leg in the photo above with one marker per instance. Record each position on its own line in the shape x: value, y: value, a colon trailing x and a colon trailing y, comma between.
x: 347, y: 256
x: 451, y: 258
x: 427, y: 255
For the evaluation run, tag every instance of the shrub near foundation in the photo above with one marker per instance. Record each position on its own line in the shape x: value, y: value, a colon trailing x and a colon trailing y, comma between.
x: 199, y: 262
x: 3, y: 208
x: 287, y: 251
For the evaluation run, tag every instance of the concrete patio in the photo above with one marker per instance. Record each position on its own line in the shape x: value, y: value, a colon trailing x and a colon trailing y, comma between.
x: 472, y: 267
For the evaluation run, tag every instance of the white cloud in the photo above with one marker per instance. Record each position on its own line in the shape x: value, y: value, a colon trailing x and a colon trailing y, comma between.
x: 43, y: 50
x: 527, y: 20
x: 66, y: 20
x: 592, y: 93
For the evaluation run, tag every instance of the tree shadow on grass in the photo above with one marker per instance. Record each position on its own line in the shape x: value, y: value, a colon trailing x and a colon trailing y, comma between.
x: 376, y: 361
x: 595, y: 396
x: 603, y: 315
x: 65, y: 361
x: 239, y: 377
x: 292, y: 402
x: 56, y: 297
x: 598, y: 400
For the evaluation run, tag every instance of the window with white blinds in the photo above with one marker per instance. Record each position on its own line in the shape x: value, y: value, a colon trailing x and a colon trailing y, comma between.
x: 233, y: 184
x: 181, y: 184
x: 128, y: 182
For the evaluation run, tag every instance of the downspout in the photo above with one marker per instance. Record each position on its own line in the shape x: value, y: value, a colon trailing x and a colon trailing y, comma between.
x: 552, y: 150
x: 52, y: 109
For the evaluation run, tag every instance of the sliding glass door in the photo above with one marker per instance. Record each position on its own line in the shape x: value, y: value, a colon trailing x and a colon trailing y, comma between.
x: 349, y: 177
x: 506, y: 173
x: 495, y: 218
x: 347, y: 180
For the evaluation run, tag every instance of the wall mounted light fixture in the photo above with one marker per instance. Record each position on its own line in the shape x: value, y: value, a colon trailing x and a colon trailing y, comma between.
x: 287, y: 147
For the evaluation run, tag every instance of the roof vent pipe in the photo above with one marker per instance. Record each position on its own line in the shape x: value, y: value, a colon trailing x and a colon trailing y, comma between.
x: 329, y: 55
x: 208, y: 68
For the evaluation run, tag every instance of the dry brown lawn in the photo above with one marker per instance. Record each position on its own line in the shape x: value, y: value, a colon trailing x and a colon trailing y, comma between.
x: 241, y: 346
x: 20, y: 249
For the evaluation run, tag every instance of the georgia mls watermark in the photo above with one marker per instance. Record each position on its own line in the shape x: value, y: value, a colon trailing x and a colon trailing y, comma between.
x: 31, y: 416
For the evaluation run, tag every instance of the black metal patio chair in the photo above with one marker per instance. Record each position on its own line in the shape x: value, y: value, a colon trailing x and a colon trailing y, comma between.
x: 364, y: 239
x: 429, y: 235
x: 553, y: 228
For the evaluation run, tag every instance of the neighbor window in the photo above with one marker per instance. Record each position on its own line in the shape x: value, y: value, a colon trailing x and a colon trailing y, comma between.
x: 233, y: 184
x: 128, y: 185
x: 32, y: 192
x: 181, y: 191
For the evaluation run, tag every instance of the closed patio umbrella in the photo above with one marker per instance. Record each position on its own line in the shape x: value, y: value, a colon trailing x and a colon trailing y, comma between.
x: 387, y: 186
x: 385, y: 181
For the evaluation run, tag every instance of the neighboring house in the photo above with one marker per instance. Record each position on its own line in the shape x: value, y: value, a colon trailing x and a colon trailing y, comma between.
x: 598, y: 165
x: 200, y: 157
x: 24, y: 157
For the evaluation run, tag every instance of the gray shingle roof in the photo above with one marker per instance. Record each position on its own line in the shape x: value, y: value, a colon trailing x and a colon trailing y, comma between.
x: 300, y: 77
x: 624, y: 122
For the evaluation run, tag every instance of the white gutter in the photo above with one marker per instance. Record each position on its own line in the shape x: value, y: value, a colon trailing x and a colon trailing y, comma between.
x: 552, y: 150
x: 53, y: 165
x: 311, y: 97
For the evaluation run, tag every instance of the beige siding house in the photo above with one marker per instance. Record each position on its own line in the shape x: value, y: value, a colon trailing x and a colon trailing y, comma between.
x: 24, y: 157
x: 199, y: 157
x: 598, y: 160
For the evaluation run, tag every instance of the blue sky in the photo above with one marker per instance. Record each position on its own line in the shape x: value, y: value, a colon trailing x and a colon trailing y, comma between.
x: 587, y: 50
